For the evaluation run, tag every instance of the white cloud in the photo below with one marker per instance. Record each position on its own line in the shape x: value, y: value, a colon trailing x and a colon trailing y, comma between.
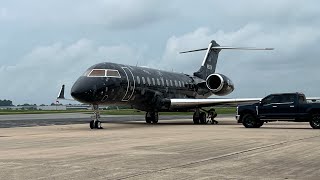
x: 37, y: 77
x: 292, y: 66
x: 111, y: 14
x: 3, y: 13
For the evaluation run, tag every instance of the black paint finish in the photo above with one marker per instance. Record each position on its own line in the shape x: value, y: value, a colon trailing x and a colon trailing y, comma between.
x: 151, y: 94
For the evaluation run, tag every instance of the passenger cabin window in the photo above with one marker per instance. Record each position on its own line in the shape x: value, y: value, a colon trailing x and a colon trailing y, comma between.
x: 97, y: 73
x: 167, y: 82
x: 143, y: 80
x: 153, y: 81
x: 138, y: 79
x: 148, y: 80
x: 158, y: 81
x: 171, y: 83
x: 176, y: 83
x: 113, y: 73
x: 162, y: 81
x: 179, y: 84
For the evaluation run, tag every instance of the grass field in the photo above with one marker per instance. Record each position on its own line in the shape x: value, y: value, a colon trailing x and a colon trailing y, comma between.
x: 220, y: 110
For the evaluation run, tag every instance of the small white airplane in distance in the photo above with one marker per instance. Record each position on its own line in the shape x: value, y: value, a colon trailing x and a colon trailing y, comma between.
x: 155, y: 91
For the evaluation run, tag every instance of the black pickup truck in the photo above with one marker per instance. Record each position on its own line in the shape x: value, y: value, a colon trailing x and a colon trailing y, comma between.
x: 279, y: 107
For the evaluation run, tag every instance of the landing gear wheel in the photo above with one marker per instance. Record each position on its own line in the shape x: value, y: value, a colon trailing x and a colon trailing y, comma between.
x: 148, y: 119
x: 152, y: 117
x: 196, y: 119
x: 97, y: 125
x: 92, y: 126
x: 155, y: 118
x: 315, y: 121
x: 203, y: 118
x: 249, y: 121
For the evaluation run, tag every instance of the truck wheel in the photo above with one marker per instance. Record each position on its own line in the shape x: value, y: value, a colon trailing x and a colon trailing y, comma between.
x: 315, y: 121
x: 259, y: 124
x: 249, y: 121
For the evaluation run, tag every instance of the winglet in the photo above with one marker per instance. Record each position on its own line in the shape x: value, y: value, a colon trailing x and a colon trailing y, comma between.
x: 61, y: 93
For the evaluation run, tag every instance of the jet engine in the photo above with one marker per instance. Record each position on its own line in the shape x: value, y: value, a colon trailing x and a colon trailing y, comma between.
x: 219, y: 84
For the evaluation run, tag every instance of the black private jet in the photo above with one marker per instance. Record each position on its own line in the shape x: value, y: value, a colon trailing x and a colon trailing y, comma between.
x: 155, y: 91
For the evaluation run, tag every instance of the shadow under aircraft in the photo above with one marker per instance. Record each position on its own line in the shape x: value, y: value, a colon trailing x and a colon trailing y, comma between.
x: 154, y: 91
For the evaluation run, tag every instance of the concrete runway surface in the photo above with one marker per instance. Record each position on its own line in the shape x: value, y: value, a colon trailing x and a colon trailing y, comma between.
x: 172, y: 149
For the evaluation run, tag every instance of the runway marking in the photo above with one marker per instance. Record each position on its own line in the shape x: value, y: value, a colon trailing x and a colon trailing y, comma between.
x: 214, y: 158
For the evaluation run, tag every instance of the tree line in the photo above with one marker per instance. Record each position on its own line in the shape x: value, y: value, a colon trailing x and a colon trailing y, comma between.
x: 6, y: 102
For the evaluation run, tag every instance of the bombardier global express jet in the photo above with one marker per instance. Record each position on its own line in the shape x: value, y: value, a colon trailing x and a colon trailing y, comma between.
x: 155, y: 91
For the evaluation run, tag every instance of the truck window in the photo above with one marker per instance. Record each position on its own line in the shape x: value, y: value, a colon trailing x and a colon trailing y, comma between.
x: 302, y: 99
x: 288, y: 98
x: 271, y: 99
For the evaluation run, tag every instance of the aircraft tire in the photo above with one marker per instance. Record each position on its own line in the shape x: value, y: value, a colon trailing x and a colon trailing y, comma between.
x: 203, y: 118
x: 196, y: 120
x: 148, y: 118
x: 92, y: 126
x: 315, y: 121
x: 249, y: 121
x: 98, y: 125
x: 155, y: 117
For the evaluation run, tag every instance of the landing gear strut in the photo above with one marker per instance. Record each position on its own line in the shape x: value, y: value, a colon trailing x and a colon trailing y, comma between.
x: 201, y: 117
x: 152, y: 117
x: 95, y: 123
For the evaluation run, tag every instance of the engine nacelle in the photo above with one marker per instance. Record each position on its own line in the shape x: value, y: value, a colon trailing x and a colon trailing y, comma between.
x: 219, y: 84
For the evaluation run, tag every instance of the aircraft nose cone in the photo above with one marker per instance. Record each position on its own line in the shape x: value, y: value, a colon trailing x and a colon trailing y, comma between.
x: 82, y: 91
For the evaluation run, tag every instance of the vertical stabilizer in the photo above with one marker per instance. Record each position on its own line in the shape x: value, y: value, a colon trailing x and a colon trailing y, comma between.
x: 209, y: 62
x: 211, y: 58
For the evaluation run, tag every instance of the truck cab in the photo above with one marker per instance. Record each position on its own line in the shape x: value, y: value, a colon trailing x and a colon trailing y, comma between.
x: 279, y: 107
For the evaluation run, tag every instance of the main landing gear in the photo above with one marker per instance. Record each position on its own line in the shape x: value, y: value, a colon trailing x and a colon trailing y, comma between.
x: 202, y: 118
x: 95, y: 123
x: 152, y: 117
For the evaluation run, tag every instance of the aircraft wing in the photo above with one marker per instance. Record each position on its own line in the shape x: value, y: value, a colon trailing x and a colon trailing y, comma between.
x: 191, y: 103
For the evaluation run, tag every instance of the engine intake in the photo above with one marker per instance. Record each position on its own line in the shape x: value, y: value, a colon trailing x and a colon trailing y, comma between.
x: 219, y: 84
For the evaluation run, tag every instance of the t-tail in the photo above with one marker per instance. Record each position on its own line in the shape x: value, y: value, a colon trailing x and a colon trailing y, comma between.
x: 210, y: 59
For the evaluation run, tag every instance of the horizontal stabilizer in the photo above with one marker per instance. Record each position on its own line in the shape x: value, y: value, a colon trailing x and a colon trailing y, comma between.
x: 227, y: 47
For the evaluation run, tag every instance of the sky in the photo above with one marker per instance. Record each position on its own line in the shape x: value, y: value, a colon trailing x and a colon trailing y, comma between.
x: 47, y: 43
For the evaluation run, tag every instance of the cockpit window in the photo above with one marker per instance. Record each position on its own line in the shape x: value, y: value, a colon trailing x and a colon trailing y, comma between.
x: 113, y: 73
x: 103, y: 73
x: 97, y: 73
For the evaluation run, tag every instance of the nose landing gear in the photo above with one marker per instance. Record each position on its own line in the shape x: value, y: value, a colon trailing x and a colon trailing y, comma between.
x: 95, y: 123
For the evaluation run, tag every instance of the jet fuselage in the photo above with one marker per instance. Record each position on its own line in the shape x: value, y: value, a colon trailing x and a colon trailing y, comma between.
x: 142, y: 88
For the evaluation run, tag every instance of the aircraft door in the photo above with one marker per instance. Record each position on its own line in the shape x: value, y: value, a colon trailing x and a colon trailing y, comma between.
x: 131, y: 84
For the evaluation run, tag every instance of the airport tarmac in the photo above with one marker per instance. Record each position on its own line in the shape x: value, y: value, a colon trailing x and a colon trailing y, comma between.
x: 172, y: 149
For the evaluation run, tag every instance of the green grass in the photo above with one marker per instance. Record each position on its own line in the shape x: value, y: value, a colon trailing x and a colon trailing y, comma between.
x: 220, y: 110
x: 8, y: 112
